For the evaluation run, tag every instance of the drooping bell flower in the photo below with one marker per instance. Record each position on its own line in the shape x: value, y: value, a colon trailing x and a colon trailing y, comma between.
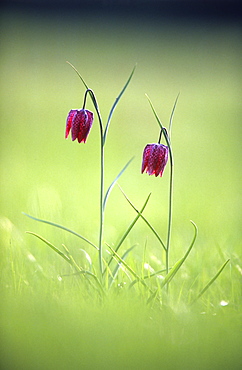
x: 79, y: 121
x: 155, y: 157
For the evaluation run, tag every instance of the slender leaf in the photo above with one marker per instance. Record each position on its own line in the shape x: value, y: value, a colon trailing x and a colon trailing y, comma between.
x: 94, y: 277
x: 211, y: 281
x: 114, y: 182
x: 92, y: 95
x: 84, y: 83
x: 145, y: 220
x: 73, y: 262
x: 192, y: 242
x: 149, y: 276
x: 51, y: 246
x: 88, y: 258
x: 179, y: 263
x: 115, y: 271
x: 115, y: 104
x: 161, y: 127
x: 136, y: 276
x: 61, y: 227
x: 172, y: 114
x: 130, y: 228
x: 172, y: 272
x: 127, y: 266
x: 154, y: 274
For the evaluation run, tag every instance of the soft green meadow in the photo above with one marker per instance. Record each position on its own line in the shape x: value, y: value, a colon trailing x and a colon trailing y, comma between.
x: 52, y: 318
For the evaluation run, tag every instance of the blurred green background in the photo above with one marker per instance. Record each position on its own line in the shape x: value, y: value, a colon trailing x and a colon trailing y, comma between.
x: 55, y: 179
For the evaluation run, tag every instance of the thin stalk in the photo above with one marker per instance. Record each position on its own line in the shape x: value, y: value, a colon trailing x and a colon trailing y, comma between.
x: 168, y: 140
x: 169, y: 210
x: 85, y: 98
x: 101, y: 204
x: 170, y: 194
x: 103, y: 134
x: 171, y: 179
x: 92, y: 95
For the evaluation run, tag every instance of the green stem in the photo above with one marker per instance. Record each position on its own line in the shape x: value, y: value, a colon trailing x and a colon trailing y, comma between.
x: 101, y: 204
x: 168, y: 142
x: 92, y: 95
x: 102, y: 137
x: 85, y: 98
x: 170, y: 211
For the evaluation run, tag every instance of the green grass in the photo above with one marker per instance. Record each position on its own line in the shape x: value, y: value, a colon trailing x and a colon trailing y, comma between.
x: 51, y: 318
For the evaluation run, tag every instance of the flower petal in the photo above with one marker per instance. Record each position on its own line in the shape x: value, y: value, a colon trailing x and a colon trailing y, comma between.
x: 69, y: 121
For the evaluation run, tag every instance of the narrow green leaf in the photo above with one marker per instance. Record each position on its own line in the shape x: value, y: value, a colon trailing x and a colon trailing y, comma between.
x: 115, y: 104
x: 126, y: 265
x: 172, y: 272
x: 162, y: 128
x: 115, y: 271
x: 114, y: 182
x: 51, y: 246
x: 61, y: 227
x: 72, y: 260
x: 172, y: 114
x: 88, y: 258
x: 89, y: 273
x: 91, y: 93
x: 154, y: 274
x: 179, y: 263
x: 149, y: 276
x: 211, y: 281
x: 136, y: 276
x: 145, y: 220
x: 193, y: 240
x: 95, y: 278
x: 84, y: 83
x: 130, y: 228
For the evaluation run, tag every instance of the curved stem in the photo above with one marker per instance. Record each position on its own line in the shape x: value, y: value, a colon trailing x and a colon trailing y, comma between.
x: 168, y: 142
x: 85, y: 98
x: 159, y: 140
x: 102, y: 138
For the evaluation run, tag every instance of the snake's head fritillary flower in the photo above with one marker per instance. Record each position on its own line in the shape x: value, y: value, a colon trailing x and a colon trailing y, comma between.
x: 79, y: 122
x: 155, y: 157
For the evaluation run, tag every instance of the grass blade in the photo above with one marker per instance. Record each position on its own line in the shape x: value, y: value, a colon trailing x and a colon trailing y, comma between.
x: 127, y: 266
x: 51, y: 246
x: 161, y: 126
x: 114, y: 182
x: 193, y: 240
x: 115, y: 104
x: 61, y: 227
x: 145, y: 220
x: 72, y: 260
x: 84, y: 83
x: 136, y: 276
x: 179, y: 263
x: 211, y: 281
x: 89, y: 91
x: 115, y: 271
x: 172, y: 114
x: 148, y: 276
x: 129, y: 228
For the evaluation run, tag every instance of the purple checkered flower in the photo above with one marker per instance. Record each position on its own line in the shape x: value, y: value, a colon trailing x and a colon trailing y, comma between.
x: 155, y: 157
x: 79, y: 122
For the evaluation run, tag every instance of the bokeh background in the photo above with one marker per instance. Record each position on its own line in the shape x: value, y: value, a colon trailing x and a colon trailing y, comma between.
x: 191, y: 47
